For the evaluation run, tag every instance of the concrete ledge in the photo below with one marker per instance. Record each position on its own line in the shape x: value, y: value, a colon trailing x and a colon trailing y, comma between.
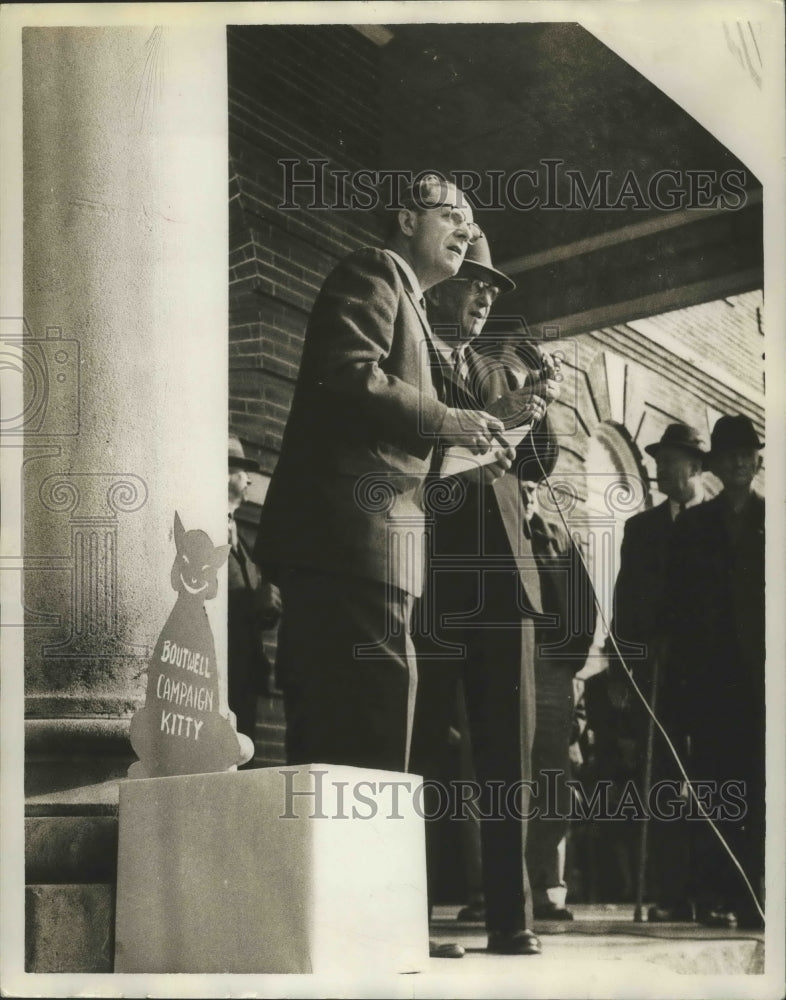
x: 72, y: 766
x: 79, y: 737
x: 76, y: 706
x: 53, y: 789
x: 69, y: 928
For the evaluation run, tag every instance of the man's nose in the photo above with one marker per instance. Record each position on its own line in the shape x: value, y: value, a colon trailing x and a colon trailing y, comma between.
x: 463, y: 230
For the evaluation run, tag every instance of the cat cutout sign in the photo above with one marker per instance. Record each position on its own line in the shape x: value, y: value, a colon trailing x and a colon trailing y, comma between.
x: 180, y: 730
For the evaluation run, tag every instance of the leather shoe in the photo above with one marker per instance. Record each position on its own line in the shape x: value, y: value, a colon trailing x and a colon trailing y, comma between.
x: 550, y: 911
x: 718, y: 917
x: 513, y: 943
x: 682, y: 912
x: 447, y: 949
x: 472, y: 914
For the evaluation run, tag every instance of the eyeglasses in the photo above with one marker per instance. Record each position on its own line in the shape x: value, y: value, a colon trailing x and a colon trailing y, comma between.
x: 458, y: 217
x: 430, y: 192
x: 479, y: 286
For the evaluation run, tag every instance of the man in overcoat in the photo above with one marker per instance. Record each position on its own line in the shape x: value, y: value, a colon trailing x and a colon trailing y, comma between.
x: 716, y: 647
x: 342, y: 524
x: 638, y: 624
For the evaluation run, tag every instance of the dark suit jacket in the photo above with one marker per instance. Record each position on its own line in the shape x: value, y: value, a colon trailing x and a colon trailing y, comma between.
x: 640, y: 590
x: 567, y: 596
x: 360, y: 434
x: 485, y: 520
x: 716, y: 623
x: 250, y: 671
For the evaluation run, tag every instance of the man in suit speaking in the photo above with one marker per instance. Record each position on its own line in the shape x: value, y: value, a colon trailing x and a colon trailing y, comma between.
x: 342, y: 525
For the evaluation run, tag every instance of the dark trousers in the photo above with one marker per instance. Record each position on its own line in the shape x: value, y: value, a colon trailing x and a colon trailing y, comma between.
x: 242, y: 696
x: 493, y: 656
x: 732, y: 750
x: 669, y: 837
x: 554, y: 723
x: 346, y: 665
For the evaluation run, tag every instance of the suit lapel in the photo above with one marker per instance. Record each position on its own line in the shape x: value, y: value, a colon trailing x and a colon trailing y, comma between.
x: 439, y: 370
x: 418, y: 307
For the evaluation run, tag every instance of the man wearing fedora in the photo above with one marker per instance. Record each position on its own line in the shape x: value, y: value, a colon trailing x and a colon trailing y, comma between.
x: 716, y: 645
x: 638, y: 626
x: 253, y: 605
x: 484, y: 576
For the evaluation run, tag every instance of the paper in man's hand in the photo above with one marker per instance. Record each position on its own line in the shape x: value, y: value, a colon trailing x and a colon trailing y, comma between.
x: 459, y: 458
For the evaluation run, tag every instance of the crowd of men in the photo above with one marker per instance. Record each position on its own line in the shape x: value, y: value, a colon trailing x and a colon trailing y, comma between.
x: 405, y: 593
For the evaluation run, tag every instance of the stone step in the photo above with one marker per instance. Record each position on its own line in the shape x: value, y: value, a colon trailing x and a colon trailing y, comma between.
x: 69, y: 928
x: 70, y: 849
x: 70, y: 874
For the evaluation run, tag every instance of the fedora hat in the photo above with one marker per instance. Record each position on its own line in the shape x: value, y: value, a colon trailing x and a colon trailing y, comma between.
x: 733, y: 432
x: 237, y: 457
x: 679, y: 436
x: 477, y: 263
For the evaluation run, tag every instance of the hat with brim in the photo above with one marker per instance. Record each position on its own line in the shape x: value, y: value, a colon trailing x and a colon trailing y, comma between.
x: 237, y: 457
x: 680, y: 436
x: 477, y: 263
x: 733, y: 432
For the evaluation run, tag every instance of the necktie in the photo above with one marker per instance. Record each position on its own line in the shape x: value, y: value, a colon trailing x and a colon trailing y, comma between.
x: 459, y: 359
x: 232, y: 532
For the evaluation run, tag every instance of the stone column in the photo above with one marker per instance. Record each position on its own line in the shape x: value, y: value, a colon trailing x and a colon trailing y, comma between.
x: 123, y: 344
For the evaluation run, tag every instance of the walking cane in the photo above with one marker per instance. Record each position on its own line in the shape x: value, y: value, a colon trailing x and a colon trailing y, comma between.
x: 641, y: 873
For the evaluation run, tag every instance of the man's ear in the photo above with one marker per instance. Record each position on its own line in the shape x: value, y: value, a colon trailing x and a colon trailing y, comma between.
x: 407, y: 220
x: 759, y: 462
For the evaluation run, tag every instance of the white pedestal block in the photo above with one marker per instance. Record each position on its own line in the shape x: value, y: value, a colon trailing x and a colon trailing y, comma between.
x: 244, y: 873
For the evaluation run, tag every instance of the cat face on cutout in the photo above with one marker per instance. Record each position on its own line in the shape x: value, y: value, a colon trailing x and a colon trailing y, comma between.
x: 197, y: 562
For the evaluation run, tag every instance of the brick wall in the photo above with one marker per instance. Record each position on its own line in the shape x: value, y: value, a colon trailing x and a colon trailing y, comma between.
x: 298, y: 94
x: 688, y: 365
x: 725, y: 337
